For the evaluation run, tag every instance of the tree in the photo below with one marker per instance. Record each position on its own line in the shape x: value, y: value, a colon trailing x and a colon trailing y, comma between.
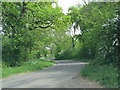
x: 27, y: 27
x: 90, y: 18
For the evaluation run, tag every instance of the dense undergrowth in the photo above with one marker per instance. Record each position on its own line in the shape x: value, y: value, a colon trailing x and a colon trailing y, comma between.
x: 106, y: 75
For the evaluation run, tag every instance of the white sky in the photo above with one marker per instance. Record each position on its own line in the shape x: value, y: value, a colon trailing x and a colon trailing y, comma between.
x: 65, y: 4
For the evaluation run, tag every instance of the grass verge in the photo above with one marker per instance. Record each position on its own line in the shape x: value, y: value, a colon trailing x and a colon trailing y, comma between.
x: 105, y: 75
x: 30, y: 66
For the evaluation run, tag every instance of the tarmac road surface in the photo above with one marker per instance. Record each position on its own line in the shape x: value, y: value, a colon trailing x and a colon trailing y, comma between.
x: 65, y: 74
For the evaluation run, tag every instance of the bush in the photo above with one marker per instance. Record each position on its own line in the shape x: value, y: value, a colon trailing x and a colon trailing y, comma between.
x: 13, y: 54
x: 66, y: 54
x: 106, y: 75
x: 107, y: 51
x: 85, y: 53
x: 16, y: 49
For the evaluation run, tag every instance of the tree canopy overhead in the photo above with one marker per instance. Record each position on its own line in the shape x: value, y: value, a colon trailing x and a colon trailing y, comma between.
x: 37, y: 29
x: 28, y: 29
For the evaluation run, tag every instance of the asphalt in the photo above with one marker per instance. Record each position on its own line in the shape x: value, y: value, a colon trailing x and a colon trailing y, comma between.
x: 65, y: 74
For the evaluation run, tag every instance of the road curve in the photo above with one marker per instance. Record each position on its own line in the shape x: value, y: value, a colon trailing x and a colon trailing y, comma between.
x: 65, y: 74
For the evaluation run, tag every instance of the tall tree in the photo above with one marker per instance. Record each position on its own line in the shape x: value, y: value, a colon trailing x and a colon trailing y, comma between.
x: 27, y: 27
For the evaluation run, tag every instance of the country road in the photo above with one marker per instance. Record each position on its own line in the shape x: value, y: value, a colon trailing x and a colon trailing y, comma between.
x: 65, y: 74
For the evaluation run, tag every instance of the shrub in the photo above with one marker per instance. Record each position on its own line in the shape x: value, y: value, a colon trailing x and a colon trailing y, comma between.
x: 66, y: 54
x: 106, y: 75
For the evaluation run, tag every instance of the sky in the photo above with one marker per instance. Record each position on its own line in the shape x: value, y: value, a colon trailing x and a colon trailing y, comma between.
x: 65, y: 4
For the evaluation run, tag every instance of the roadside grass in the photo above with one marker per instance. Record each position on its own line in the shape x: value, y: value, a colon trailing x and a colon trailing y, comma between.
x: 105, y: 75
x: 30, y: 66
